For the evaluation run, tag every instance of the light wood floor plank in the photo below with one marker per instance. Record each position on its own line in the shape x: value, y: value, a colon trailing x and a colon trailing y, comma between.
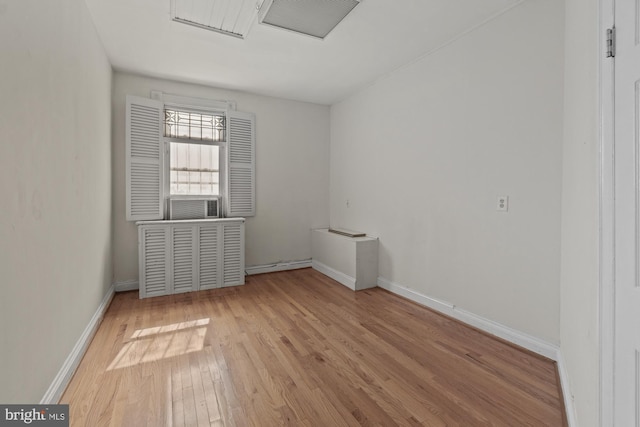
x: 298, y: 349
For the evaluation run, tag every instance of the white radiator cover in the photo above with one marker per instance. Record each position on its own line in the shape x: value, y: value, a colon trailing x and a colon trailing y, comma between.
x: 190, y: 255
x: 352, y: 261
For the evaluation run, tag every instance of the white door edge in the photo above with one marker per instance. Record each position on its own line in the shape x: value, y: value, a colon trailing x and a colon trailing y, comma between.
x: 607, y: 219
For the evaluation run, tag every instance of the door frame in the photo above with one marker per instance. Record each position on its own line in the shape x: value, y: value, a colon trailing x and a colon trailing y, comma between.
x: 606, y: 200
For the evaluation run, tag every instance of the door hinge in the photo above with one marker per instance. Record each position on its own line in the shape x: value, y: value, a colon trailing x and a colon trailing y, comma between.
x: 611, y: 42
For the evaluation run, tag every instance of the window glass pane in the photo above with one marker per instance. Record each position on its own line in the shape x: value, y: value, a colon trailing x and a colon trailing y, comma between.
x: 196, y: 132
x: 194, y: 169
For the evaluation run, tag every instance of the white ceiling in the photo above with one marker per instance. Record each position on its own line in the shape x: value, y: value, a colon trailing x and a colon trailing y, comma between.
x: 377, y: 37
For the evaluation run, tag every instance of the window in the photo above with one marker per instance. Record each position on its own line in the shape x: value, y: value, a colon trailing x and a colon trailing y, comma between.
x: 194, y: 126
x: 194, y: 169
x: 194, y: 139
x: 188, y: 147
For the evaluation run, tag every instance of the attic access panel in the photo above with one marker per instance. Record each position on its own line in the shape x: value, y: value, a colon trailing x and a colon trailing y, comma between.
x: 231, y: 17
x: 314, y: 18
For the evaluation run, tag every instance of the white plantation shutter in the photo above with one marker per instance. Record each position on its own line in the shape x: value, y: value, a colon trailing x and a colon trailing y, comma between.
x: 241, y: 164
x: 144, y: 159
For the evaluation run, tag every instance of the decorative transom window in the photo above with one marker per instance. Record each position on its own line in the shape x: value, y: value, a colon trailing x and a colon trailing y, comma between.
x: 194, y: 126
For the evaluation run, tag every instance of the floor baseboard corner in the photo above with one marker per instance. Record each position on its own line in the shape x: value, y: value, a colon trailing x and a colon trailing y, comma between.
x: 126, y: 285
x: 565, y: 387
x: 521, y: 339
x: 64, y: 375
x: 499, y: 330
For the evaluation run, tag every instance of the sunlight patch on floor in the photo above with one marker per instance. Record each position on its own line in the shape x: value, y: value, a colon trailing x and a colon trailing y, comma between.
x: 161, y: 342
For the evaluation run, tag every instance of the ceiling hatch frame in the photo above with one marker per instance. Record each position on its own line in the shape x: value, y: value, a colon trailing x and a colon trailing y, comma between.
x: 319, y: 17
x: 233, y: 18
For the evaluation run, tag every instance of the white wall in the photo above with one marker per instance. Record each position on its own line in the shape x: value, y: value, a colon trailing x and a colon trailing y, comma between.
x: 55, y: 184
x: 292, y: 169
x: 579, y: 335
x: 419, y: 158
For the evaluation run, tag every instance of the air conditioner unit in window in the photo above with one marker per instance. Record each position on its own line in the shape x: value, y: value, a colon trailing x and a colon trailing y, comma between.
x: 194, y: 208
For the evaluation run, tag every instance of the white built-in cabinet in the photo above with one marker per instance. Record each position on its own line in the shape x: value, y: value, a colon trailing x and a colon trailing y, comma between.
x: 190, y: 255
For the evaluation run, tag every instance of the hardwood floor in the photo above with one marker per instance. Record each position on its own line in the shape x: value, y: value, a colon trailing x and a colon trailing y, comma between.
x: 296, y: 348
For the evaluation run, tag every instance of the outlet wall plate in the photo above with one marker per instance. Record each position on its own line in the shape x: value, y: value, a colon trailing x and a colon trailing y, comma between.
x: 502, y: 204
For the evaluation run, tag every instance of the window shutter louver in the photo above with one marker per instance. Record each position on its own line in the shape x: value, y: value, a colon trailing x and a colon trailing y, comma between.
x: 241, y: 164
x: 184, y: 279
x: 153, y: 262
x: 144, y: 159
x: 233, y: 254
x: 210, y: 248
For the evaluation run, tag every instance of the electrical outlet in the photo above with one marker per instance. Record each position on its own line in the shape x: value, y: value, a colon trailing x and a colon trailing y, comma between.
x: 502, y: 204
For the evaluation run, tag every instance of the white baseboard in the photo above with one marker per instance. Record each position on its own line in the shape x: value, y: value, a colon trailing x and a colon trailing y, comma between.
x: 61, y: 380
x: 280, y: 266
x: 529, y: 342
x: 348, y: 281
x: 134, y: 285
x: 126, y: 285
x: 569, y: 405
